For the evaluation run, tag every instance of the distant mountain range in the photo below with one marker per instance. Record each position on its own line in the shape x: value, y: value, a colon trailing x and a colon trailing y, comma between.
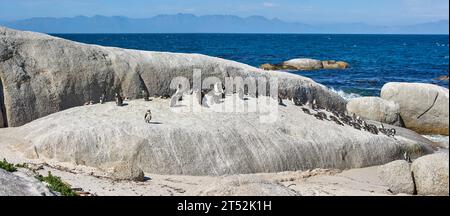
x: 188, y: 23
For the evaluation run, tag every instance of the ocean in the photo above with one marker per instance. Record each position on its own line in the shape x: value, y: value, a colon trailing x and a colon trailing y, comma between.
x: 374, y: 59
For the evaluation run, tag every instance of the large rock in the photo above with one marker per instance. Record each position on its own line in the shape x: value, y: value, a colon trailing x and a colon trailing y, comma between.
x: 431, y: 174
x: 335, y: 65
x: 423, y: 107
x: 304, y: 64
x: 42, y: 74
x: 19, y: 184
x: 397, y: 176
x: 181, y: 142
x: 124, y: 170
x: 377, y: 109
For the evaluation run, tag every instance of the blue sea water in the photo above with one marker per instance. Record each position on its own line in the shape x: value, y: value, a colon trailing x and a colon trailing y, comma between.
x: 374, y: 59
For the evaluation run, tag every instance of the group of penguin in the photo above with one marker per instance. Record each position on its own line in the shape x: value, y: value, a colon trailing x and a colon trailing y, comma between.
x: 119, y: 102
x: 343, y: 119
x: 339, y: 118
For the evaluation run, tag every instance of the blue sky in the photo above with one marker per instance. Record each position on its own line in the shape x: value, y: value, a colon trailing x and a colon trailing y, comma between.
x: 379, y: 12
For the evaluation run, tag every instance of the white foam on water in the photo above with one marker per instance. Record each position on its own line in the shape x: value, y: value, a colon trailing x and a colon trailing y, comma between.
x: 345, y: 95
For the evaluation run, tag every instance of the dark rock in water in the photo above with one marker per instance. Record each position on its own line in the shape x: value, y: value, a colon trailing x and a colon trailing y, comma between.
x: 42, y: 74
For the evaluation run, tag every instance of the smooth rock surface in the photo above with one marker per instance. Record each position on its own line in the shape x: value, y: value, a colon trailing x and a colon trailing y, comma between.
x: 304, y: 64
x: 398, y: 177
x: 179, y: 141
x: 423, y: 107
x: 377, y: 109
x: 19, y: 184
x: 75, y: 73
x: 431, y: 174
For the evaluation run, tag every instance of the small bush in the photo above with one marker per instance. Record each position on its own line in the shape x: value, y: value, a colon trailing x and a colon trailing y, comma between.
x: 23, y: 165
x: 56, y: 184
x: 7, y: 166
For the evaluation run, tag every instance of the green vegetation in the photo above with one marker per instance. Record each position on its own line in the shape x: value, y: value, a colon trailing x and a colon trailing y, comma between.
x: 7, y: 166
x: 23, y: 165
x: 56, y: 184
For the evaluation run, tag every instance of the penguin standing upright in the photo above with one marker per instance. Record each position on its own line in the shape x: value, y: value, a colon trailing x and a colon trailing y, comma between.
x: 119, y: 100
x: 102, y: 99
x: 145, y: 95
x: 148, y: 116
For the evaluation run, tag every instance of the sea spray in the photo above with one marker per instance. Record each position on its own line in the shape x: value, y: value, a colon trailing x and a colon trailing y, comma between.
x: 345, y: 95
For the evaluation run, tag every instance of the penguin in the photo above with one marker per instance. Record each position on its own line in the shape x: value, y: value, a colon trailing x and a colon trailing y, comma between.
x: 323, y: 115
x: 119, y: 100
x: 392, y: 132
x: 145, y: 95
x: 102, y: 99
x: 407, y: 157
x: 356, y: 126
x: 318, y: 116
x: 148, y: 116
x: 314, y: 105
x: 373, y: 129
x: 306, y: 111
x: 336, y: 120
x: 382, y: 129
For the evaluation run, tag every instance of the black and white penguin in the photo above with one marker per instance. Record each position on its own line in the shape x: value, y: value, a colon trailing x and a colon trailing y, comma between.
x: 119, y: 100
x: 148, y: 116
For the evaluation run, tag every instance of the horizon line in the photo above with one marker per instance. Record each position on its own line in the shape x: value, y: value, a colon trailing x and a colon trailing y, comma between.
x: 242, y: 17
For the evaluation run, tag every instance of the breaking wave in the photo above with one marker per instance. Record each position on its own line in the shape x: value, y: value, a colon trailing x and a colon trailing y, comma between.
x: 345, y: 95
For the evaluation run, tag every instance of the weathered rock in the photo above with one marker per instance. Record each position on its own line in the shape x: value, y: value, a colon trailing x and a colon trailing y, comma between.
x: 74, y: 73
x: 397, y: 176
x: 377, y: 109
x: 423, y: 107
x: 124, y: 170
x: 304, y: 64
x: 333, y: 65
x: 19, y: 184
x: 431, y: 174
x: 205, y: 143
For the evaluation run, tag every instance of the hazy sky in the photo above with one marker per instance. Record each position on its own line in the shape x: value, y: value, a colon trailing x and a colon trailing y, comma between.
x: 381, y: 12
